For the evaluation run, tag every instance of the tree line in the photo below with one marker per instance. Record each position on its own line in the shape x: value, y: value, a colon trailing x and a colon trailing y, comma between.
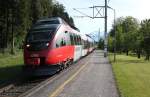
x: 132, y: 36
x: 17, y: 16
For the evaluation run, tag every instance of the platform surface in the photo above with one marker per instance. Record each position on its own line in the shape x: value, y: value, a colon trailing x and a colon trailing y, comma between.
x: 95, y: 80
x: 91, y: 78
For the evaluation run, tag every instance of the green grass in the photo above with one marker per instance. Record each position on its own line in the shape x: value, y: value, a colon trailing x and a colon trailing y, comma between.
x: 132, y: 76
x: 10, y: 65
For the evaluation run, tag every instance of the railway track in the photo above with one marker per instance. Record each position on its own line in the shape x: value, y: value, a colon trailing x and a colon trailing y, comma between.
x: 24, y: 87
x: 27, y: 85
x: 16, y: 89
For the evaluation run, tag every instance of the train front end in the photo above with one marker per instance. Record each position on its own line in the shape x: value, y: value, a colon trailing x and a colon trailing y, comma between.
x: 37, y: 47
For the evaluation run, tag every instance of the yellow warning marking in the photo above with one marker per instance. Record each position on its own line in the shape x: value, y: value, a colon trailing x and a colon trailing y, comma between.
x: 61, y: 87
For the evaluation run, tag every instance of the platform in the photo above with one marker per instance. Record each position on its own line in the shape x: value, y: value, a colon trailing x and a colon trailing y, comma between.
x: 91, y: 77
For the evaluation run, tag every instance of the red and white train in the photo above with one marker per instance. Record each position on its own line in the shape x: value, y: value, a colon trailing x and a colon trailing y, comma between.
x: 52, y: 44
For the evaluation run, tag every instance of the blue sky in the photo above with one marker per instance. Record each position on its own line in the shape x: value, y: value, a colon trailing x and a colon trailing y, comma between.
x: 139, y: 9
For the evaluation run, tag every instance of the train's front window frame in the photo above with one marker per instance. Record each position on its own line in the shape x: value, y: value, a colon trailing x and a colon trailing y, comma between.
x: 39, y: 35
x: 47, y: 22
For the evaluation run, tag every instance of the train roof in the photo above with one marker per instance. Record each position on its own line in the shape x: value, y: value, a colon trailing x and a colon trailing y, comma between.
x: 45, y: 27
x: 53, y: 20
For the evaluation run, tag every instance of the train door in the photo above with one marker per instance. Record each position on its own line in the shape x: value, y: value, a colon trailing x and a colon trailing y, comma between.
x: 77, y: 47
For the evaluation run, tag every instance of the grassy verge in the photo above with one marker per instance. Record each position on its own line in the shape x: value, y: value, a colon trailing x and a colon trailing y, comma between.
x: 10, y: 65
x: 132, y: 76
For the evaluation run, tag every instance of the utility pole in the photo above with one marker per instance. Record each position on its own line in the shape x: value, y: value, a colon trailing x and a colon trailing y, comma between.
x: 105, y: 33
x: 99, y: 15
x: 114, y: 32
x: 99, y: 35
x: 114, y: 35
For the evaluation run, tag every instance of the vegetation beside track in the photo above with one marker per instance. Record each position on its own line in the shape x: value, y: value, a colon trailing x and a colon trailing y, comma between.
x: 132, y: 75
x: 10, y: 65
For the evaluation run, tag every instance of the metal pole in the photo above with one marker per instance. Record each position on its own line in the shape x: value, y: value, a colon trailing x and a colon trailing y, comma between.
x: 114, y: 35
x: 105, y: 34
x: 99, y: 35
x: 93, y: 11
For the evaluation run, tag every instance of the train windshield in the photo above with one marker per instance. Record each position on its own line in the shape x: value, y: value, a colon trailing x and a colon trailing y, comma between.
x: 41, y: 33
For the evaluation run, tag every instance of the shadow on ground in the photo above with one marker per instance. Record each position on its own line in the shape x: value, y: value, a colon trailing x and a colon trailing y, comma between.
x: 8, y: 74
x: 18, y: 74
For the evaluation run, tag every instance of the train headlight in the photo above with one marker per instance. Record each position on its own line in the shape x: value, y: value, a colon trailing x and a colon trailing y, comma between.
x: 28, y: 45
x: 47, y: 44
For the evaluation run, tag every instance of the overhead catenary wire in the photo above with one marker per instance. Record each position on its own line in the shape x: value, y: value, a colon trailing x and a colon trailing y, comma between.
x: 108, y: 1
x: 85, y: 15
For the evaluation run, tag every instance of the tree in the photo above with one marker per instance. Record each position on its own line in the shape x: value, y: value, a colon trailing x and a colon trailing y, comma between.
x: 145, y: 30
x: 127, y: 35
x: 7, y: 11
x: 58, y: 10
x: 36, y: 10
x: 46, y: 8
x: 101, y: 44
x: 17, y: 16
x: 117, y: 29
x: 138, y: 43
x: 130, y: 27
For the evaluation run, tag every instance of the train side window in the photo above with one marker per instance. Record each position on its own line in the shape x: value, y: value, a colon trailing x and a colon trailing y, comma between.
x: 82, y: 42
x: 79, y: 43
x: 74, y: 41
x: 67, y: 38
x: 57, y: 43
x: 60, y: 42
x: 86, y: 42
x: 71, y: 38
x: 63, y: 42
x: 79, y: 39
